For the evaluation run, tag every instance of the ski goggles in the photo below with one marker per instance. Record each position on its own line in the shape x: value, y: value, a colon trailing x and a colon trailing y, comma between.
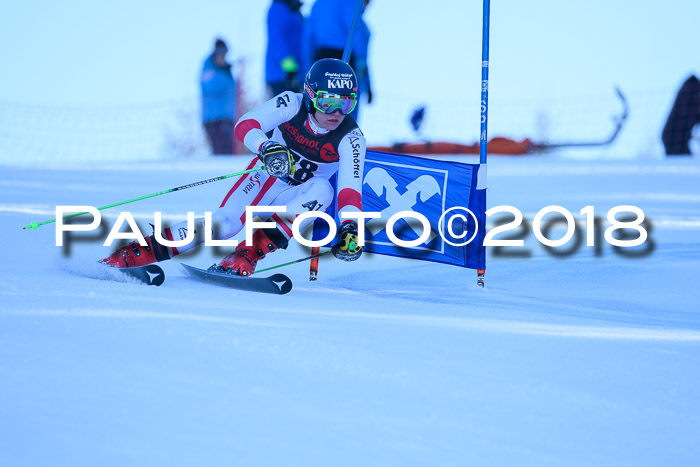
x: 329, y: 103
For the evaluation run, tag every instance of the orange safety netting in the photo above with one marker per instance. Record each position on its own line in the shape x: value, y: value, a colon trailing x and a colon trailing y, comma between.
x: 498, y: 145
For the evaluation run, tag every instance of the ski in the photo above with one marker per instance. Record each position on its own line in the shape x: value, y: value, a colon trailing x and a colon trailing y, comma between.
x: 149, y: 275
x: 276, y: 284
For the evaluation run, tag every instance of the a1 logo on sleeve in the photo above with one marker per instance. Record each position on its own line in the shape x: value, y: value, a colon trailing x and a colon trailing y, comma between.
x: 283, y: 100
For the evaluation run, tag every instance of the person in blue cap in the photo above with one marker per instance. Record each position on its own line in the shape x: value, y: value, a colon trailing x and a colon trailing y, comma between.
x: 218, y: 100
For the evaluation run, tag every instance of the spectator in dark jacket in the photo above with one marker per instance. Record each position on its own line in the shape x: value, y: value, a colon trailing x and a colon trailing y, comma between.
x: 325, y: 33
x: 685, y: 114
x: 218, y: 100
x: 283, y: 59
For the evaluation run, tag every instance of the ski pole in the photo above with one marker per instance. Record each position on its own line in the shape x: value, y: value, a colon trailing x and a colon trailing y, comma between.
x: 35, y: 225
x: 294, y: 262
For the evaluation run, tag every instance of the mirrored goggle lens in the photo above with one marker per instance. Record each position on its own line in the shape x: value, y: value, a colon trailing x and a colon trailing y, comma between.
x: 329, y: 103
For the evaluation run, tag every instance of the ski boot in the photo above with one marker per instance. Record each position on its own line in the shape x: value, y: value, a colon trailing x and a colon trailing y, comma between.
x: 245, y: 258
x: 135, y: 255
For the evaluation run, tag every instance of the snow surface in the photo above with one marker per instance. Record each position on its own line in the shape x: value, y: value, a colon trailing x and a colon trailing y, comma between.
x: 592, y: 359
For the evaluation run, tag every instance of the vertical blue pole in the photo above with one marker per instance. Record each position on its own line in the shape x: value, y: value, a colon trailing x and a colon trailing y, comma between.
x: 483, y: 139
x: 353, y: 27
x: 483, y: 135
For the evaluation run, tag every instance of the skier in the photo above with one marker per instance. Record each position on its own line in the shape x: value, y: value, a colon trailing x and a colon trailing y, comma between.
x: 312, y: 138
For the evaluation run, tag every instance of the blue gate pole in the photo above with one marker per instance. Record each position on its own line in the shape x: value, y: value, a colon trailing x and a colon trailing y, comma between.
x: 483, y: 139
x: 483, y: 134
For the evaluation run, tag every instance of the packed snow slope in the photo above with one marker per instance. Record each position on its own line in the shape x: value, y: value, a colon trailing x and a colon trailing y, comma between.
x: 585, y: 359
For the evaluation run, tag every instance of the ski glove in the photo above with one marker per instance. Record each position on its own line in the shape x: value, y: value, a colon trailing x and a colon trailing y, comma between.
x: 348, y: 248
x: 277, y: 159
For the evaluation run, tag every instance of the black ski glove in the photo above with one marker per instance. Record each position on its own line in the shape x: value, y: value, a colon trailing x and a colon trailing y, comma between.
x: 277, y: 159
x: 348, y: 248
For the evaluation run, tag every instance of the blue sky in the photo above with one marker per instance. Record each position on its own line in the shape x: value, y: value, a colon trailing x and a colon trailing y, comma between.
x: 542, y: 53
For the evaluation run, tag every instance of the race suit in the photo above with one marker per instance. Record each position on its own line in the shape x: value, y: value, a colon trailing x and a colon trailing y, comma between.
x: 318, y: 154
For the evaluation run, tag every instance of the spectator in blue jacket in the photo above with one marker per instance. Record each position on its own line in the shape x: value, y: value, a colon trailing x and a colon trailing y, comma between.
x: 218, y: 100
x: 325, y: 33
x: 283, y: 59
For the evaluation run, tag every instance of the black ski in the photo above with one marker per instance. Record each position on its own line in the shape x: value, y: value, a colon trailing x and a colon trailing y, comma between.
x: 275, y: 284
x: 149, y: 275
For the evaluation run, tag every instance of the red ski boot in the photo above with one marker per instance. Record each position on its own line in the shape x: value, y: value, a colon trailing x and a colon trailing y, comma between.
x: 244, y: 258
x: 134, y: 255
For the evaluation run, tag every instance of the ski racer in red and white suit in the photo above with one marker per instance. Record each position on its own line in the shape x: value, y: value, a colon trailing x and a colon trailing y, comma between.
x: 320, y: 144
